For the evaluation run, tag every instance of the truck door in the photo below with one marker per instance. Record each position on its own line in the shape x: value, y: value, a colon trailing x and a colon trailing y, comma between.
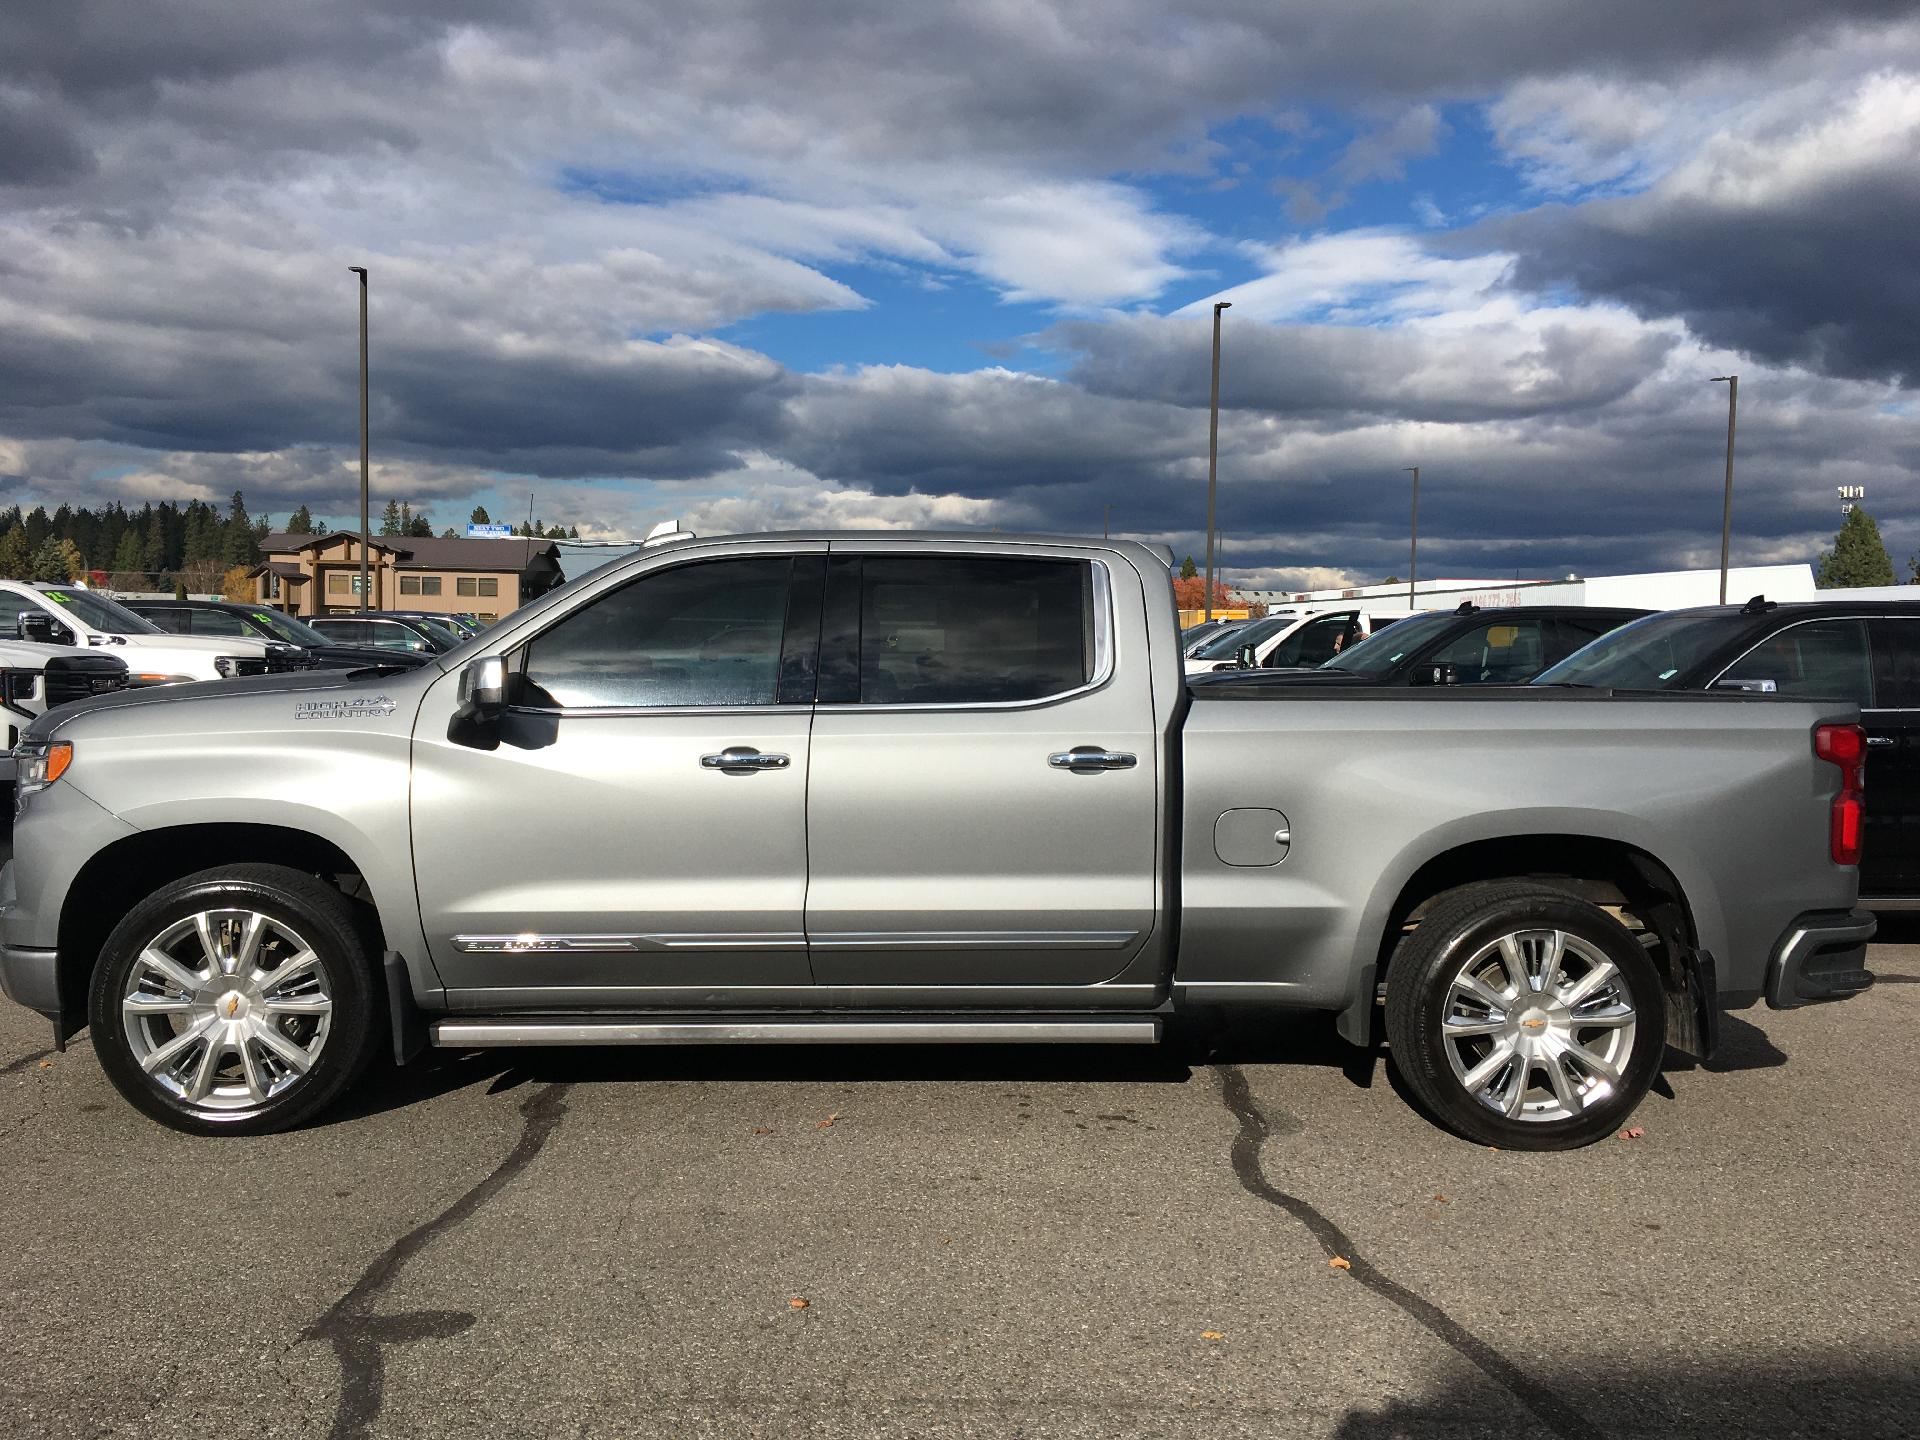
x: 982, y: 805
x: 640, y: 824
x: 1890, y: 864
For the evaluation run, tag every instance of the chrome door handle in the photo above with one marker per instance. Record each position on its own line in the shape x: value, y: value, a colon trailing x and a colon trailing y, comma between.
x: 1877, y: 740
x: 743, y: 760
x: 1085, y: 759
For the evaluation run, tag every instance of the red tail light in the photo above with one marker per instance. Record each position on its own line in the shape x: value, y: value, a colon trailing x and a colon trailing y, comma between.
x: 1845, y: 746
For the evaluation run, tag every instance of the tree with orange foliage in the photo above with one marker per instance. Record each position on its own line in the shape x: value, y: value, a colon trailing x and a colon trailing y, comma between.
x: 1191, y: 594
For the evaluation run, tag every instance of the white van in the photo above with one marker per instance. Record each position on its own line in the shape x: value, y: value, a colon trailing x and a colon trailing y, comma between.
x: 1297, y: 638
x: 73, y: 615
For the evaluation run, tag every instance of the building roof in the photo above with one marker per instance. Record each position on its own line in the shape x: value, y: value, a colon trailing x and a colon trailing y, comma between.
x: 431, y: 552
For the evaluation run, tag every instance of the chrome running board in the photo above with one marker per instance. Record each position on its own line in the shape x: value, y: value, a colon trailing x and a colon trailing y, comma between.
x: 484, y: 1034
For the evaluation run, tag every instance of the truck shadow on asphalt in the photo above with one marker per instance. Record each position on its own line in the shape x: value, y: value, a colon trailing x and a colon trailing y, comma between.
x: 1815, y: 1393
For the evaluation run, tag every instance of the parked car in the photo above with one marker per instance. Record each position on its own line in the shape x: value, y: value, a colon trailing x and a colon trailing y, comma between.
x: 223, y: 617
x: 1864, y: 652
x: 36, y: 678
x: 872, y: 788
x: 1467, y: 646
x: 444, y: 626
x: 378, y: 631
x: 1194, y: 636
x: 1294, y: 639
x: 72, y: 615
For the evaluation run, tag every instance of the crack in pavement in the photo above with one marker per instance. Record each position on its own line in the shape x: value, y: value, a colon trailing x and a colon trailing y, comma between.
x: 24, y: 1062
x: 359, y: 1337
x: 1554, y: 1412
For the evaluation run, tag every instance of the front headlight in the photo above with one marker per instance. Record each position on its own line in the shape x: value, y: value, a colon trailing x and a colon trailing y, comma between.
x: 40, y: 764
x: 154, y: 677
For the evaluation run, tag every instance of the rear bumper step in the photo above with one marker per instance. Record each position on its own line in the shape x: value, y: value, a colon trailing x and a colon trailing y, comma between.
x: 486, y: 1033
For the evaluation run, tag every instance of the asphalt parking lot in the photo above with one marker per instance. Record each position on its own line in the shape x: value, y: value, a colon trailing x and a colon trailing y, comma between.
x: 987, y: 1242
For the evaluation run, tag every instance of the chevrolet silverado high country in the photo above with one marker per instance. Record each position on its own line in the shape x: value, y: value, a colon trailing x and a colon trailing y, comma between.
x: 850, y: 787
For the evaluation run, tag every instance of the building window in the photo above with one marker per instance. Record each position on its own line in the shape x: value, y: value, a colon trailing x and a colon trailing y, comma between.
x: 409, y: 584
x: 273, y: 585
x: 429, y: 584
x: 477, y: 585
x: 466, y: 585
x: 336, y: 583
x: 489, y: 585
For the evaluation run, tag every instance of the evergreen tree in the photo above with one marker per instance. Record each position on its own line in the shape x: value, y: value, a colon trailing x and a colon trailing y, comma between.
x: 243, y: 547
x: 16, y: 560
x: 127, y: 559
x: 1189, y: 570
x: 300, y: 522
x: 573, y: 532
x: 1859, y: 556
x: 49, y: 564
x: 418, y: 525
x: 38, y: 528
x: 153, y: 539
x: 390, y: 518
x: 479, y: 516
x: 71, y: 557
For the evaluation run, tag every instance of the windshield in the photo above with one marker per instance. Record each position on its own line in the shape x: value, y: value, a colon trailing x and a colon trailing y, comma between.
x: 1649, y: 654
x: 97, y: 612
x: 1227, y: 643
x: 1384, y: 649
x: 282, y: 627
x: 446, y: 636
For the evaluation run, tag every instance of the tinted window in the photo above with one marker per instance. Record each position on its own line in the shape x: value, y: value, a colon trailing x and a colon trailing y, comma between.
x: 1225, y: 643
x: 1501, y: 652
x: 1898, y: 642
x: 1827, y: 659
x: 1651, y: 654
x: 1379, y: 653
x: 215, y: 622
x: 1316, y: 642
x: 174, y: 621
x: 948, y: 630
x: 11, y: 606
x: 702, y: 634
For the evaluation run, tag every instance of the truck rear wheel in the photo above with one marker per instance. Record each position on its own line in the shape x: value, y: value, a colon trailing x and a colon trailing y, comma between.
x: 1524, y: 1017
x: 235, y: 1001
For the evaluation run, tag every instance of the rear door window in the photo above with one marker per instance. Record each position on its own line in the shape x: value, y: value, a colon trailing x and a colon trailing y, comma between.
x: 1507, y: 651
x: 1822, y: 659
x: 215, y: 622
x: 964, y: 630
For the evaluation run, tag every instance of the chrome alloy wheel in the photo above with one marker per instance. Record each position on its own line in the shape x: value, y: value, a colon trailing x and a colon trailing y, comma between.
x: 227, y: 1009
x: 1538, y: 1025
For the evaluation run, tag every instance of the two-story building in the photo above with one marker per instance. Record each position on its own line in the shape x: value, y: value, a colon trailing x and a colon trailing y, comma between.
x: 320, y: 574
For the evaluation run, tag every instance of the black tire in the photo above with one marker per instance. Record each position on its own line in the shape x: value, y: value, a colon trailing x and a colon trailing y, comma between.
x: 314, y: 911
x: 1455, y: 931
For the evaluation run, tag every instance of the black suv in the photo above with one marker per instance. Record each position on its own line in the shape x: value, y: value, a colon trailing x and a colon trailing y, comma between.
x: 223, y: 617
x: 1467, y: 646
x: 389, y: 632
x: 1864, y: 651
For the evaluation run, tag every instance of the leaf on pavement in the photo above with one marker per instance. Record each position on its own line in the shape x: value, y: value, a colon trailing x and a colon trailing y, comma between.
x: 796, y: 1303
x: 1213, y: 1335
x: 1632, y: 1132
x: 1340, y: 1262
x: 828, y: 1121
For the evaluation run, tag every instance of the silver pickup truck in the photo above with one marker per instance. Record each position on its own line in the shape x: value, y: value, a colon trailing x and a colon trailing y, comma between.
x: 858, y: 787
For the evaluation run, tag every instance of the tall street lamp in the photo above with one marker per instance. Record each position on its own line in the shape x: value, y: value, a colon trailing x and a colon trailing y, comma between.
x: 1726, y: 508
x: 1413, y: 549
x: 1213, y: 445
x: 361, y: 271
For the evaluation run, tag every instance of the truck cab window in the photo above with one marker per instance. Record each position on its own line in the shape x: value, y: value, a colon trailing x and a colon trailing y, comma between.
x: 702, y: 634
x: 1827, y: 659
x: 947, y: 630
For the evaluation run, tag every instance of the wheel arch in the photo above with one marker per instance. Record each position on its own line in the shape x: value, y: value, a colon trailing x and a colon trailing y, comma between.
x: 124, y: 873
x: 1603, y: 869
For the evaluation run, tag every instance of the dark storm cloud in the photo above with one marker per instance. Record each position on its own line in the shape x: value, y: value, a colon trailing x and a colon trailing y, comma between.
x: 1483, y: 372
x: 1823, y: 276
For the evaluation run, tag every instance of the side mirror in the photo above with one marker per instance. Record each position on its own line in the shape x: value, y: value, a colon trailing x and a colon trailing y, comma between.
x: 1439, y: 675
x: 1247, y: 660
x: 483, y: 688
x: 42, y: 629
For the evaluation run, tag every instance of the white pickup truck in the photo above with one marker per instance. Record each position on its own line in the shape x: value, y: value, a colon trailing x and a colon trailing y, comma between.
x: 72, y: 615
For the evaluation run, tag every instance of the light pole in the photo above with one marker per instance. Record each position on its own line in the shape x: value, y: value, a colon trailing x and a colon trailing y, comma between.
x: 361, y: 271
x: 1213, y: 445
x: 1413, y: 549
x: 1106, y: 525
x: 1726, y: 507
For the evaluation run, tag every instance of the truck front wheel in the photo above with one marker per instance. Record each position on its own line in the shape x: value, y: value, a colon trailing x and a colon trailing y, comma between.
x: 1524, y: 1017
x: 234, y: 1001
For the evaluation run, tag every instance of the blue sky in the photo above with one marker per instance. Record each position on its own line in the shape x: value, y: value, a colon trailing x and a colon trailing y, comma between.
x: 953, y: 267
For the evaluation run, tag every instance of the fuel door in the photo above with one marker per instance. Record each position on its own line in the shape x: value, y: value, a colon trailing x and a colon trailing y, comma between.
x: 1251, y: 837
